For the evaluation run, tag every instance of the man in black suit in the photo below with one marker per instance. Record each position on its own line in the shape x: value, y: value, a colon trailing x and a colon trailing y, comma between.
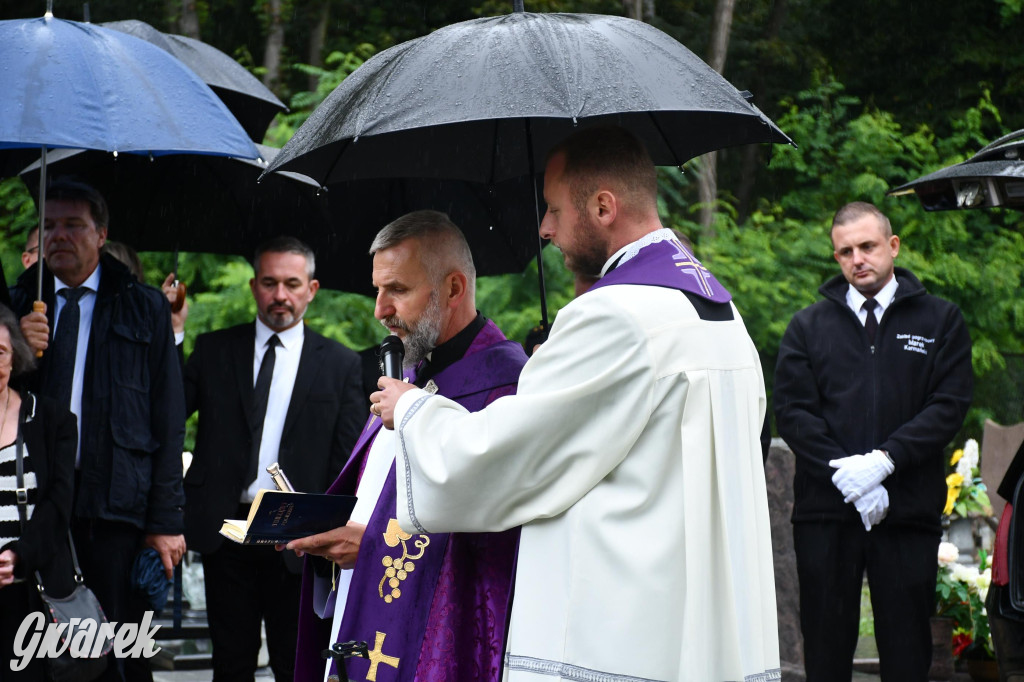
x: 307, y: 422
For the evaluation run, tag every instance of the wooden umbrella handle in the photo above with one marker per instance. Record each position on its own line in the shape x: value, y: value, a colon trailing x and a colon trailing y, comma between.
x: 39, y: 307
x: 179, y: 301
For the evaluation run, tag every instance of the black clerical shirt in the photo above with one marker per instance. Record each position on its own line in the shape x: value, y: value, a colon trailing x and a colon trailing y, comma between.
x: 450, y: 351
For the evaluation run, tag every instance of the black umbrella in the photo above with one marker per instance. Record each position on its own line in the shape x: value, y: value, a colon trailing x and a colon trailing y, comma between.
x: 252, y: 103
x: 194, y: 202
x: 215, y: 205
x: 498, y: 220
x: 992, y: 177
x: 482, y: 101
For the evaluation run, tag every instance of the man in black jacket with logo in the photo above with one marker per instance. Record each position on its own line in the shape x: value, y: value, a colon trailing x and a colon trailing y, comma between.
x: 871, y: 385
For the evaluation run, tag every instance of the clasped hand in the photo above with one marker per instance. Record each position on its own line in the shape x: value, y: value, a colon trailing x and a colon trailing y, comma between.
x: 858, y: 474
x: 859, y: 478
x: 873, y: 506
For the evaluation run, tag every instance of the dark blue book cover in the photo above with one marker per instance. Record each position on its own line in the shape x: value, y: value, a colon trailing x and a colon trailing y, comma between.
x: 277, y: 517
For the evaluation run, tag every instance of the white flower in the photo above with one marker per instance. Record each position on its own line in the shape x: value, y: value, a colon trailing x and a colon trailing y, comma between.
x: 948, y: 553
x: 984, y: 580
x: 965, y: 467
x: 965, y: 574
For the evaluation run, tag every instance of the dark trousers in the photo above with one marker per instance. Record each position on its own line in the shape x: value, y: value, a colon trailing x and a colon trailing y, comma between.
x: 901, y: 568
x: 16, y: 602
x: 245, y: 585
x: 1007, y: 637
x: 106, y: 551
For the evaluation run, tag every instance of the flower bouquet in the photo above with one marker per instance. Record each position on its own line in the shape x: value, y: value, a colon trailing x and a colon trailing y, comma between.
x: 965, y: 492
x: 960, y: 593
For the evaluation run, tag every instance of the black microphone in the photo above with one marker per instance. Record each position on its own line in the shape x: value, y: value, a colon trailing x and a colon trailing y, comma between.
x: 392, y: 352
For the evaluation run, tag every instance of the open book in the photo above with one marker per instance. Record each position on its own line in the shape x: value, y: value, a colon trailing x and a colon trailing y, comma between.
x: 277, y: 517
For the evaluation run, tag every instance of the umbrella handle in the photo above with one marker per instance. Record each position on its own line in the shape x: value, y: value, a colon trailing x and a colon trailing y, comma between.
x: 179, y: 301
x: 39, y: 307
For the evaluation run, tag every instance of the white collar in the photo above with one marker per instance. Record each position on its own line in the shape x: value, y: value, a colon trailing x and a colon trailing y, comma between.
x: 91, y: 282
x: 630, y: 250
x: 289, y: 337
x: 884, y: 297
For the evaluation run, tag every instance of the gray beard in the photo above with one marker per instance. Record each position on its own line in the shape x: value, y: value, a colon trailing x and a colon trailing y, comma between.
x: 422, y: 338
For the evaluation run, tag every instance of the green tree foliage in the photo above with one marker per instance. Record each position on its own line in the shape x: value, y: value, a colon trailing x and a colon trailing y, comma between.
x: 774, y: 260
x: 868, y: 111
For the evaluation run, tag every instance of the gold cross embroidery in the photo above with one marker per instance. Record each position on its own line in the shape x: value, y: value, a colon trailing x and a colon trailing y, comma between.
x: 377, y: 657
x: 691, y: 266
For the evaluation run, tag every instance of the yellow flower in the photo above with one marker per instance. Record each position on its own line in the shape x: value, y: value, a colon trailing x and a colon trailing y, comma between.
x: 956, y: 457
x: 951, y: 496
x: 953, y: 483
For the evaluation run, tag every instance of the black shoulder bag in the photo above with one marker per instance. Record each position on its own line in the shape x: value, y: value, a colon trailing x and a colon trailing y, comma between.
x: 81, y: 604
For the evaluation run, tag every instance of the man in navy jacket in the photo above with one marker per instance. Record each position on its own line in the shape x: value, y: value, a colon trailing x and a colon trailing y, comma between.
x: 871, y: 385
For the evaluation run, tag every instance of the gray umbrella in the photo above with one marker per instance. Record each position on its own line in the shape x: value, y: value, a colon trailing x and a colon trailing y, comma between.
x: 252, y: 103
x: 482, y: 102
x: 992, y: 177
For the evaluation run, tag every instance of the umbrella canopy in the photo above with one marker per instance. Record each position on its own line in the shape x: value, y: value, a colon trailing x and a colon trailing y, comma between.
x: 68, y: 84
x: 483, y: 100
x: 221, y: 205
x: 73, y: 85
x: 992, y: 177
x: 252, y: 103
x: 498, y: 221
x: 193, y: 202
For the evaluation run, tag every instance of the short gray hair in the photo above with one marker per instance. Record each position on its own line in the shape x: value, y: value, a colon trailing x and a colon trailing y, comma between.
x: 22, y: 357
x: 445, y: 246
x: 286, y: 244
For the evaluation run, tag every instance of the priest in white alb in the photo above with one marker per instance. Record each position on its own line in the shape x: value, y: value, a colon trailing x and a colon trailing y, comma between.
x: 630, y: 455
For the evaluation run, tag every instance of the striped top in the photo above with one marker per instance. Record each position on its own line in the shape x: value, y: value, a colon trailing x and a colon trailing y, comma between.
x: 10, y: 526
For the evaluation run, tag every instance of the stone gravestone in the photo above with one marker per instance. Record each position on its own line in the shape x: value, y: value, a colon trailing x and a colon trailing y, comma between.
x: 778, y: 471
x: 998, y: 446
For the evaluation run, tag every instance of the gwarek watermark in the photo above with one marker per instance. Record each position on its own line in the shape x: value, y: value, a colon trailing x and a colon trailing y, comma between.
x: 38, y: 639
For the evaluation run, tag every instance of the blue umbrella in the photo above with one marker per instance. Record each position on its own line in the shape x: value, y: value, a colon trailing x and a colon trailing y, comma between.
x: 68, y: 84
x: 73, y: 85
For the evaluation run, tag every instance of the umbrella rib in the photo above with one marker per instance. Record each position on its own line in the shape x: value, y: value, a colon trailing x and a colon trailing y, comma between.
x: 664, y: 137
x: 337, y: 157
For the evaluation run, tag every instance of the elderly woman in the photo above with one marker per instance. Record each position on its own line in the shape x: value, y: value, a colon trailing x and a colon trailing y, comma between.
x: 49, y: 436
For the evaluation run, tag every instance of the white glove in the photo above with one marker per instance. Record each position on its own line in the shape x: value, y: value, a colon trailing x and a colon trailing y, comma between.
x: 860, y: 473
x: 873, y: 506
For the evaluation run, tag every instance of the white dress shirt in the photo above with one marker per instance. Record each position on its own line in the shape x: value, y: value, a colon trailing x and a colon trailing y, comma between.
x: 883, y: 298
x: 86, y: 305
x: 286, y: 366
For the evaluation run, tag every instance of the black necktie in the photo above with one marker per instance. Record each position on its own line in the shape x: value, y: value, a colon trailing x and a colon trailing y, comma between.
x: 871, y: 323
x: 260, y: 397
x: 65, y: 347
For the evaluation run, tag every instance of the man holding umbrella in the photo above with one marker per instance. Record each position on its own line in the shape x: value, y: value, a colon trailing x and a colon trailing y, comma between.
x: 630, y: 453
x: 111, y: 359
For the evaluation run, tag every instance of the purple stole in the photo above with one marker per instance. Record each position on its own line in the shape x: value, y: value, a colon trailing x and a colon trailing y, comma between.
x: 429, y: 607
x: 667, y: 264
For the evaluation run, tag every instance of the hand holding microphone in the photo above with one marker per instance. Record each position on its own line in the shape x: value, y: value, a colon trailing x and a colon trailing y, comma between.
x: 382, y: 403
x: 392, y: 353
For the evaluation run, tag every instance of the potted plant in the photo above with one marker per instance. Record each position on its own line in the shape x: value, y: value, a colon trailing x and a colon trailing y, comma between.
x: 960, y: 593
